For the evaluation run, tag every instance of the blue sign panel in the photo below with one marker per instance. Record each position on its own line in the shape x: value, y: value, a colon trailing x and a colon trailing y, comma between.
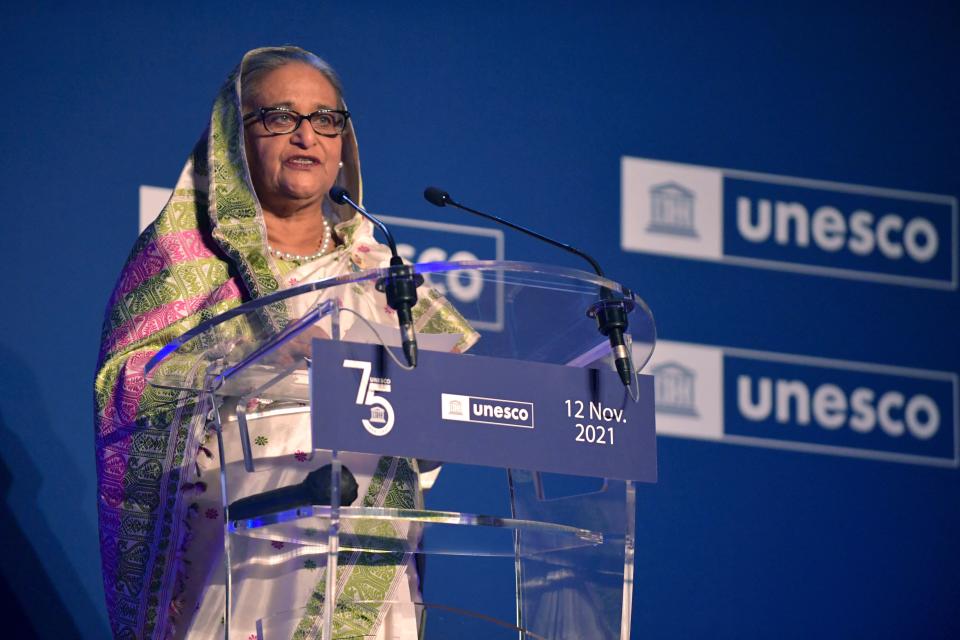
x: 484, y: 411
x: 839, y: 229
x: 850, y: 409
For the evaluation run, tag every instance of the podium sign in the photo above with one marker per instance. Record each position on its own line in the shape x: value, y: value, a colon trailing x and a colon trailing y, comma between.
x: 480, y: 410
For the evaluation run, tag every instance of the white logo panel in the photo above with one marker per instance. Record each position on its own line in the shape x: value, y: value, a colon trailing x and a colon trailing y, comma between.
x: 688, y: 390
x: 455, y: 407
x: 670, y: 208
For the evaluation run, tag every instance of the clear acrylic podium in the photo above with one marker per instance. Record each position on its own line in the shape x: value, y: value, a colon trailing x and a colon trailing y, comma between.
x: 534, y: 556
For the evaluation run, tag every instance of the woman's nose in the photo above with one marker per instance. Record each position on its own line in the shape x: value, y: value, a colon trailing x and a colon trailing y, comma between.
x: 304, y: 134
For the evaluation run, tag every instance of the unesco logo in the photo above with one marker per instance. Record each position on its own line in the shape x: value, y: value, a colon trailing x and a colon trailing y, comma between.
x: 497, y: 411
x: 789, y: 224
x: 828, y: 229
x: 845, y: 407
x: 674, y: 387
x: 804, y: 403
x: 830, y: 407
x: 672, y: 210
x: 380, y: 422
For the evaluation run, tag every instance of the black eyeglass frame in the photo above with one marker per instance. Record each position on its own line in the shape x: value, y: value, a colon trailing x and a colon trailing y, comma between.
x: 262, y: 112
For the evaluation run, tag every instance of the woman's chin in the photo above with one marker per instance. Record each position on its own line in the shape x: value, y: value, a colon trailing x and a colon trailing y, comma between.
x: 302, y: 193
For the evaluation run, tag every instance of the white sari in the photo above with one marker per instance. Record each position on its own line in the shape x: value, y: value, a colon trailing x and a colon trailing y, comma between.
x: 285, y: 574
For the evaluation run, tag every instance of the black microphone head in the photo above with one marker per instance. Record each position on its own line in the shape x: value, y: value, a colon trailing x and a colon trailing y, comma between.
x: 436, y: 196
x: 339, y: 195
x: 316, y: 486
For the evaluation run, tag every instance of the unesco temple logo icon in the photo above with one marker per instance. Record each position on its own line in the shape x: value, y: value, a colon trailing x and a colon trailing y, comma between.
x: 377, y: 414
x: 671, y: 210
x: 455, y: 408
x: 673, y: 387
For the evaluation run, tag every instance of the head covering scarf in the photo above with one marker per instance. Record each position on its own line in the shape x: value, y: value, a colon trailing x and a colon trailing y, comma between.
x: 206, y: 253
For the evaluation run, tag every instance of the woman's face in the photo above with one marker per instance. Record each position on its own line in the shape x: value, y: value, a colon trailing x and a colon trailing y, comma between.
x: 292, y: 171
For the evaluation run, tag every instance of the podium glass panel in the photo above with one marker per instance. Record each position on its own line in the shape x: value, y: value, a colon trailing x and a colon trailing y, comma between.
x: 565, y: 551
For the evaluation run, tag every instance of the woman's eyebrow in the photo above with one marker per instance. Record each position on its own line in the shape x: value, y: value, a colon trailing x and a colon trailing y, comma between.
x: 289, y: 105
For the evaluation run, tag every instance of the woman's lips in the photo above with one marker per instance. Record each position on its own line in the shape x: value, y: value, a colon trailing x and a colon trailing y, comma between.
x: 303, y: 163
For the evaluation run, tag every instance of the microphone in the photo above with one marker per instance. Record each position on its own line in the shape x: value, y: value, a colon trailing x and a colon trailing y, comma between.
x: 400, y: 287
x: 610, y: 312
x: 315, y: 489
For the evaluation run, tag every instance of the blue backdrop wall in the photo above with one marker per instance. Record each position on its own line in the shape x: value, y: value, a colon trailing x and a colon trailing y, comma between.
x: 528, y: 110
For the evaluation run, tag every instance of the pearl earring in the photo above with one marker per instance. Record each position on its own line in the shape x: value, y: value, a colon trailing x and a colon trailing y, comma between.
x: 341, y: 164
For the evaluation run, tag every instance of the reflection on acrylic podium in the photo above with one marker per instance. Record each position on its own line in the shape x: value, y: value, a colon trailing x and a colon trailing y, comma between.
x: 328, y: 444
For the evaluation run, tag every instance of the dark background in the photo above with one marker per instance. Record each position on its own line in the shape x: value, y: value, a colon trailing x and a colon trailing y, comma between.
x: 524, y: 109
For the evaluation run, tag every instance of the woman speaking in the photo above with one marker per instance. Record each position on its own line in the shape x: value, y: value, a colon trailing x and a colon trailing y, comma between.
x: 250, y: 215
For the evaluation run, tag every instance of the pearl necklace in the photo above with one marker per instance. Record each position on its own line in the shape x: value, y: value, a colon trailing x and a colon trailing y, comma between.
x: 293, y: 257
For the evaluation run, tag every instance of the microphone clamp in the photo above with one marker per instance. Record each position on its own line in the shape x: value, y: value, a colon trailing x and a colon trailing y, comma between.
x: 400, y: 289
x: 611, y: 316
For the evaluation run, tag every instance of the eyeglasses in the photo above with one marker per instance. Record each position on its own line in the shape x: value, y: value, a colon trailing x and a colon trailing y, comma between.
x: 280, y: 120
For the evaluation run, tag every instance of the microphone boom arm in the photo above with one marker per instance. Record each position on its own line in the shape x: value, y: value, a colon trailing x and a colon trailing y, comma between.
x: 610, y: 312
x: 400, y: 287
